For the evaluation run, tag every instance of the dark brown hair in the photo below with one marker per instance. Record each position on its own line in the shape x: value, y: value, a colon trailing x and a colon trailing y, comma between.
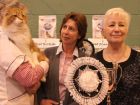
x: 81, y: 22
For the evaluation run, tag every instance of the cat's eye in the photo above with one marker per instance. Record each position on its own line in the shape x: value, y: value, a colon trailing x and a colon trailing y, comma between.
x: 15, y: 15
x: 23, y: 16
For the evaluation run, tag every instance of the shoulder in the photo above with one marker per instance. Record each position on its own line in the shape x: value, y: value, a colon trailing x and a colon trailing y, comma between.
x: 135, y: 53
x: 134, y: 57
x: 99, y: 54
x: 50, y: 49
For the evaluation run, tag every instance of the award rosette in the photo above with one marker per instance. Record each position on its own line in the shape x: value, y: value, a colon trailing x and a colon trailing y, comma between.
x: 87, y: 81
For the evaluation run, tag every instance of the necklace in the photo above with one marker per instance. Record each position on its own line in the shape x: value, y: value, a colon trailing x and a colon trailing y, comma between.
x: 116, y: 57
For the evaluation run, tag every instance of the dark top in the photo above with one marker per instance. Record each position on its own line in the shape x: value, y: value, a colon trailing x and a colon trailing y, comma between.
x: 128, y: 88
x: 50, y: 88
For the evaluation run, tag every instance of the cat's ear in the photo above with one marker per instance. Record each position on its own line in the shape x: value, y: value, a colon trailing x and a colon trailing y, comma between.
x: 21, y: 7
x: 2, y: 8
x: 25, y: 10
x: 8, y: 2
x: 2, y: 5
x: 5, y: 4
x: 3, y: 12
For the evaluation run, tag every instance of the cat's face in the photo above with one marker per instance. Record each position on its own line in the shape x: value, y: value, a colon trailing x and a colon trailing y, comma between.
x: 15, y: 16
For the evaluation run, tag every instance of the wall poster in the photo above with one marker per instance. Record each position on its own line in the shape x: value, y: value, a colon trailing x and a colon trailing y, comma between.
x: 47, y: 26
x: 97, y: 26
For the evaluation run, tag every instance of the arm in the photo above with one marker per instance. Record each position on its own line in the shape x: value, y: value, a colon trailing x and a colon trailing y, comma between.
x: 16, y: 65
x: 28, y: 76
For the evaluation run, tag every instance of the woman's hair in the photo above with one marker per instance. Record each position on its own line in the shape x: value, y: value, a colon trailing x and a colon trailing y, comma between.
x: 81, y: 23
x: 118, y: 11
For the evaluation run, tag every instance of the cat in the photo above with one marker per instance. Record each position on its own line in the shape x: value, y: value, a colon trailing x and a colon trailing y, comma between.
x: 15, y: 25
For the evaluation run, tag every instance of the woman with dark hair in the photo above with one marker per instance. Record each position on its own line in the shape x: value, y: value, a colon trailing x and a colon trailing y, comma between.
x: 81, y: 24
x: 72, y: 32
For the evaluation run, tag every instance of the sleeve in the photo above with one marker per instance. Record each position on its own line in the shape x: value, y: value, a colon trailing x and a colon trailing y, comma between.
x: 16, y: 65
x: 28, y: 76
x: 10, y: 56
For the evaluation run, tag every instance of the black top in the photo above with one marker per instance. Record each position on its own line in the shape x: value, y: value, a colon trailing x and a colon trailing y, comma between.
x: 128, y: 88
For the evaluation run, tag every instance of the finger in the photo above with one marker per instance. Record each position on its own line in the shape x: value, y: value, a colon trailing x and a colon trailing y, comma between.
x: 33, y: 89
x: 54, y: 102
x: 48, y: 102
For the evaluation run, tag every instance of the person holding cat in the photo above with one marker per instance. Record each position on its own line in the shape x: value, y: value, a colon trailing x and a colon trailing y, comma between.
x: 18, y: 77
x: 72, y: 32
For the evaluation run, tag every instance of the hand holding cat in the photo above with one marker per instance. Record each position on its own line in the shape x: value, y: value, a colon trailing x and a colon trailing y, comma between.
x: 33, y: 89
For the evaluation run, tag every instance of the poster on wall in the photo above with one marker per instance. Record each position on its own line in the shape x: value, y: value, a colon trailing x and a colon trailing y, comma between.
x: 97, y: 26
x: 47, y: 26
x: 97, y: 38
x: 99, y: 44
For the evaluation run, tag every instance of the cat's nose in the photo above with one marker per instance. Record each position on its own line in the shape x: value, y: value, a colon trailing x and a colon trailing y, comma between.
x: 18, y: 20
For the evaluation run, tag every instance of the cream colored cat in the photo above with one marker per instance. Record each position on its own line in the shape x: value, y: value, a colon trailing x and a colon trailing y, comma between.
x: 15, y: 25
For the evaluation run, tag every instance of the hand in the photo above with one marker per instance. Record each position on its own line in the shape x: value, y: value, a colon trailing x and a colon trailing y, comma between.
x: 33, y: 89
x: 48, y: 102
x: 45, y: 66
